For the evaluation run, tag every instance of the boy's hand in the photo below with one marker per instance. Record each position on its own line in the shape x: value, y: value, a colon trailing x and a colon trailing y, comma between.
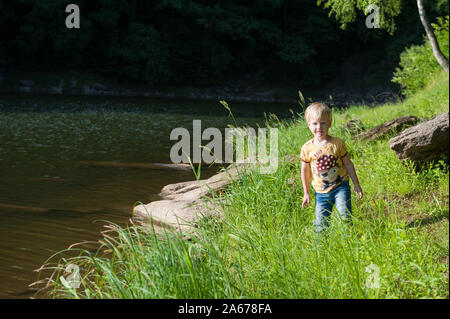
x: 358, y: 190
x: 306, y: 200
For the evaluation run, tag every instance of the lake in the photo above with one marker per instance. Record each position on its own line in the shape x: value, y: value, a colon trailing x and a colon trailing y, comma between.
x: 50, y: 198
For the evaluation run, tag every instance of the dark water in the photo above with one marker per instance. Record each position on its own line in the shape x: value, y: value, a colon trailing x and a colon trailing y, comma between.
x: 50, y: 199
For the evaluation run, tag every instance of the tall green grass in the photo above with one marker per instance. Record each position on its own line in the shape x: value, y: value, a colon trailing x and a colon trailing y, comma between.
x: 265, y: 247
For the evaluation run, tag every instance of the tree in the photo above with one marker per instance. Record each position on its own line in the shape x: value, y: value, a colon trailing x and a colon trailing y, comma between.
x: 440, y: 57
x: 345, y: 12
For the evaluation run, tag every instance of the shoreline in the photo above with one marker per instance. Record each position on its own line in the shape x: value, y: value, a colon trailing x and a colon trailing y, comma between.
x: 236, y: 91
x: 194, y: 96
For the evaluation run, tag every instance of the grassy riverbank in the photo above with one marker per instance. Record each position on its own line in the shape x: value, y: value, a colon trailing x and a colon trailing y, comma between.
x: 397, y: 246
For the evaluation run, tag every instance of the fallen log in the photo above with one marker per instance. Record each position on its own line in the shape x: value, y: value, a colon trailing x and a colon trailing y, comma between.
x: 185, y: 204
x: 392, y: 126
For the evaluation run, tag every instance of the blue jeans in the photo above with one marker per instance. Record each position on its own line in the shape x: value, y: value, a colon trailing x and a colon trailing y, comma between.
x: 341, y: 197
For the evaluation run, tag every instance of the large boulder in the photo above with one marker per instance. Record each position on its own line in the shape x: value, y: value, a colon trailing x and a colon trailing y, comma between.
x: 424, y: 142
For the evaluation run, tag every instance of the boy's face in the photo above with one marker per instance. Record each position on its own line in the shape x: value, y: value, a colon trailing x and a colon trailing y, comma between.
x: 319, y: 127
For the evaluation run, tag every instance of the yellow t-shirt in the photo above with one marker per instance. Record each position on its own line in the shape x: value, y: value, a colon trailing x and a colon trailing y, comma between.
x: 327, y: 168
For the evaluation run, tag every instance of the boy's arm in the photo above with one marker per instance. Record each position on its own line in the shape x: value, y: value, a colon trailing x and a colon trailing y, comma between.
x: 352, y: 173
x: 306, y: 177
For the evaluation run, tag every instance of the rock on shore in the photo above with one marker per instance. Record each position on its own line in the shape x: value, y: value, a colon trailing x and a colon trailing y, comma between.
x: 185, y: 204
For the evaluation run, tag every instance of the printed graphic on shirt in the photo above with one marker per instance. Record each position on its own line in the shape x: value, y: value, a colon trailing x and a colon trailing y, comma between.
x: 327, y: 170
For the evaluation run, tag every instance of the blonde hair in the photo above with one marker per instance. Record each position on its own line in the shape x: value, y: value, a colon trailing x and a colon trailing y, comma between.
x: 318, y: 110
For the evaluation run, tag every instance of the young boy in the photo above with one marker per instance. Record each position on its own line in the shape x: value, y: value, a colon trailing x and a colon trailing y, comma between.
x: 325, y: 161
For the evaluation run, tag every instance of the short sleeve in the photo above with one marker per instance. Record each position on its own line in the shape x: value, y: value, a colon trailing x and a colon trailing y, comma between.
x: 304, y: 154
x: 342, y: 151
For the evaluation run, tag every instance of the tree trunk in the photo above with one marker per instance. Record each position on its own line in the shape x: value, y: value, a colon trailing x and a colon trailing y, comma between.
x: 442, y: 60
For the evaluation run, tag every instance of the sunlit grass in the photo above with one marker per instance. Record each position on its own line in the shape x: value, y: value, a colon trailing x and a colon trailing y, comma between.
x: 395, y: 247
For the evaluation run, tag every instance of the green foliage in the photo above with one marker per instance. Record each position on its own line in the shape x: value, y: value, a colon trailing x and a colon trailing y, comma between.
x: 345, y: 11
x: 417, y: 63
x: 441, y: 29
x: 143, y: 55
x: 190, y: 42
